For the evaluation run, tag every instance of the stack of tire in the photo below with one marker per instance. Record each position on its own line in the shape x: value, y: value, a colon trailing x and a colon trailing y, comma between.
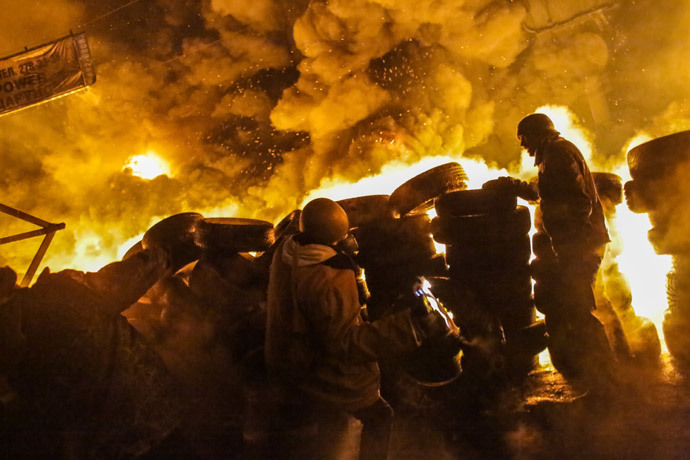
x: 394, y: 235
x: 395, y: 247
x: 548, y: 289
x: 206, y: 318
x: 229, y: 280
x: 488, y: 248
x: 627, y: 332
x: 660, y: 188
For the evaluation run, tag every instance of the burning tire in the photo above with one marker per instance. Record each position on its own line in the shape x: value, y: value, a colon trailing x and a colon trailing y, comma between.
x: 135, y: 249
x: 541, y: 246
x: 644, y: 341
x: 659, y: 157
x: 177, y: 235
x: 669, y: 240
x: 482, y: 227
x: 639, y: 196
x: 609, y: 186
x: 365, y: 210
x: 545, y: 270
x: 497, y: 287
x: 287, y: 226
x: 395, y: 241
x: 478, y: 201
x: 677, y: 317
x: 496, y: 254
x: 417, y: 194
x: 235, y: 234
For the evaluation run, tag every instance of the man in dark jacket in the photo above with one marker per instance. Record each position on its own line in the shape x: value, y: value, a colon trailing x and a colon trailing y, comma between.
x: 316, y: 338
x: 572, y: 215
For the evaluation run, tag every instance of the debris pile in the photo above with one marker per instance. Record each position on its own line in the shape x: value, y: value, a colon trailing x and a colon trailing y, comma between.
x: 659, y: 187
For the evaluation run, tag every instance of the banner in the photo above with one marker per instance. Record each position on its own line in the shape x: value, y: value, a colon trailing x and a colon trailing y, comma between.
x: 45, y: 72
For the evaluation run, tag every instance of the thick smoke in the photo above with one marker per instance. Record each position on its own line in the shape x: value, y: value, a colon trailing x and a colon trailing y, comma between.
x: 254, y: 103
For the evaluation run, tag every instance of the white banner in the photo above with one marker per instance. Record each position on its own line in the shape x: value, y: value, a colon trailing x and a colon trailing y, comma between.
x: 45, y: 72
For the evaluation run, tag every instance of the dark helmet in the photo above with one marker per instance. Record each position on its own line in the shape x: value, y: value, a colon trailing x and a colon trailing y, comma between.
x: 536, y: 123
x: 324, y: 221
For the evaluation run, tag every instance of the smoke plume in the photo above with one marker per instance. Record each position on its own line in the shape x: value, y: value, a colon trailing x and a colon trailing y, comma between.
x: 255, y: 103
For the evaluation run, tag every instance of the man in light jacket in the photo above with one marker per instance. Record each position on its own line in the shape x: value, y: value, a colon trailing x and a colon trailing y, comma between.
x: 316, y: 339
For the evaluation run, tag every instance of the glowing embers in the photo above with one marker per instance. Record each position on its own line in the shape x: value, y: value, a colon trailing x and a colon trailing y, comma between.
x: 147, y: 165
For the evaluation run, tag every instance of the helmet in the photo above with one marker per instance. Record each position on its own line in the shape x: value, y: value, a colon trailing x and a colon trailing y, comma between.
x: 534, y: 124
x: 324, y: 221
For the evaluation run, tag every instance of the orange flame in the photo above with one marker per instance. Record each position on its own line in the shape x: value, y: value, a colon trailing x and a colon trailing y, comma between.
x: 148, y: 165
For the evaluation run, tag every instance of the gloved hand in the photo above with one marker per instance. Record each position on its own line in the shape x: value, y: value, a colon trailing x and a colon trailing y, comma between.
x: 503, y: 184
x: 506, y: 184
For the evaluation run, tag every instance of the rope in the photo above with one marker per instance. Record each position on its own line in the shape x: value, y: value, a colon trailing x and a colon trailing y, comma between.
x: 108, y: 13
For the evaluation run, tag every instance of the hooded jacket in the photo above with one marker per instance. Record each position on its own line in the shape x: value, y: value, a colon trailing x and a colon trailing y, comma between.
x: 313, y: 309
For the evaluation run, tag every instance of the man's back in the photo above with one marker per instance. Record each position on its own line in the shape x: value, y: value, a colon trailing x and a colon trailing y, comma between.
x: 570, y: 205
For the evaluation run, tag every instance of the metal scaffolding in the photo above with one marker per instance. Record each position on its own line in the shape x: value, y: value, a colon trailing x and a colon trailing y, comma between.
x: 48, y: 229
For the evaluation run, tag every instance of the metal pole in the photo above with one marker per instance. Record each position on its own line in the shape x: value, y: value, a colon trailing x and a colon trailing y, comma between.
x: 25, y: 235
x: 48, y: 230
x: 28, y: 276
x: 23, y: 216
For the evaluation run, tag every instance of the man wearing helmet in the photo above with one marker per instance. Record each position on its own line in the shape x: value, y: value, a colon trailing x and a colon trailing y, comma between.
x: 316, y: 339
x: 572, y: 215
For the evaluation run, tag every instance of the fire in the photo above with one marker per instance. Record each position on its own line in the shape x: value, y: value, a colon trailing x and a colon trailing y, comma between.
x: 148, y: 165
x: 566, y: 123
x: 395, y: 173
x: 644, y: 270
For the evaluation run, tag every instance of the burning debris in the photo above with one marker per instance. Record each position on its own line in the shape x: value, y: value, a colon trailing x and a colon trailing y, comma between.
x: 658, y: 188
x: 207, y: 320
x: 252, y: 107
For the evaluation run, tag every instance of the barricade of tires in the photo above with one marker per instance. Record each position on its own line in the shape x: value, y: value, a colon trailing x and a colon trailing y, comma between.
x: 488, y: 248
x: 395, y: 246
x: 628, y: 333
x: 659, y: 187
x: 207, y: 317
x: 393, y: 234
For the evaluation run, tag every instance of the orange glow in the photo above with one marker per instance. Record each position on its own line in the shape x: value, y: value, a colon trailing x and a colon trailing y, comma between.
x: 148, y: 165
x: 395, y: 173
x: 566, y: 123
x: 644, y: 269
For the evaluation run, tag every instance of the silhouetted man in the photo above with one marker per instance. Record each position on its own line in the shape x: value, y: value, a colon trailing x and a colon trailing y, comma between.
x: 572, y: 216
